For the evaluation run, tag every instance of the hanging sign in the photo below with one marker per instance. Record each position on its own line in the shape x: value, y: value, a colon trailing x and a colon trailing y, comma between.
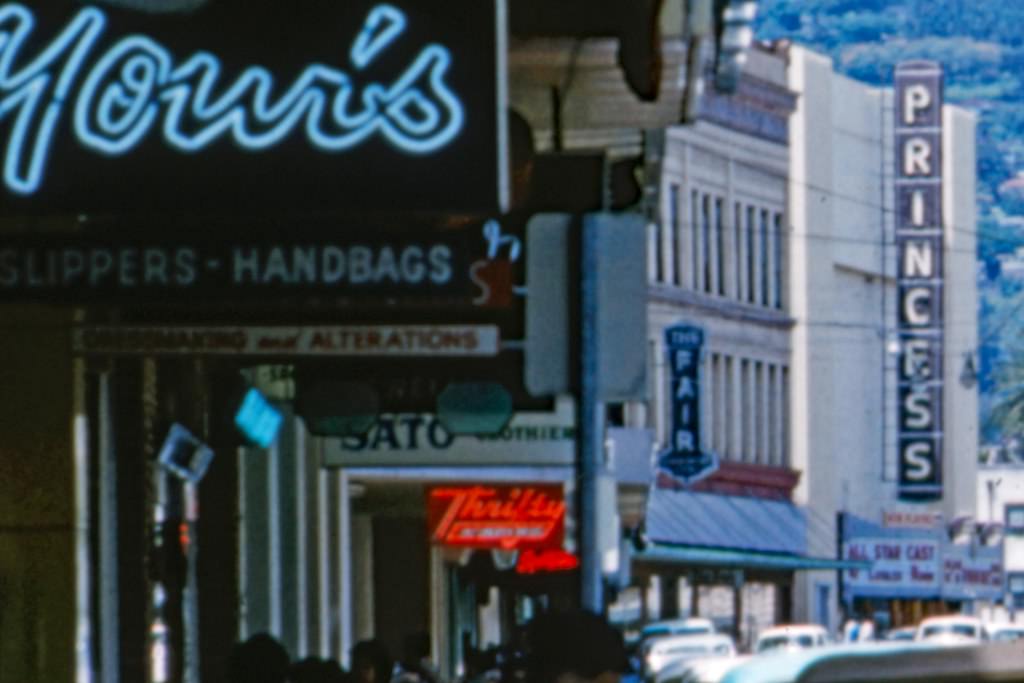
x: 503, y: 517
x: 364, y: 259
x: 321, y: 340
x: 919, y: 243
x: 250, y: 105
x: 684, y: 459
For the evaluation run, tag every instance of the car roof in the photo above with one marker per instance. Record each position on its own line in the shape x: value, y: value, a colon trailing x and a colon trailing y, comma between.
x: 698, y: 638
x: 790, y: 629
x: 687, y: 621
x: 915, y: 662
x: 951, y: 619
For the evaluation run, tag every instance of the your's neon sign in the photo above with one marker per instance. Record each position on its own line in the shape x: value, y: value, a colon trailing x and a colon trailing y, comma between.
x: 116, y: 97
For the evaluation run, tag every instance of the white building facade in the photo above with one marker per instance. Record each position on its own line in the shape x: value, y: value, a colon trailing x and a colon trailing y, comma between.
x: 845, y: 299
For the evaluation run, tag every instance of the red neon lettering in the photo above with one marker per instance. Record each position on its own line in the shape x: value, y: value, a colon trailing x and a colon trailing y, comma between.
x: 487, y: 516
x: 532, y: 561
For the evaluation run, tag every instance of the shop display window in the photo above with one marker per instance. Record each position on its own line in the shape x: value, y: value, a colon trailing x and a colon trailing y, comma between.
x: 1015, y: 518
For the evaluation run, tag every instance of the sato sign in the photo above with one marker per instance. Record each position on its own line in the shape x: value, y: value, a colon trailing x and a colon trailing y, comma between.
x: 255, y: 104
x: 684, y: 459
x: 919, y: 242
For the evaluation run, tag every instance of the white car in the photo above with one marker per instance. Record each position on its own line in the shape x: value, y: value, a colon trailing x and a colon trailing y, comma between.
x: 954, y: 629
x: 791, y: 637
x: 691, y: 626
x: 1005, y: 631
x: 700, y: 670
x: 671, y: 649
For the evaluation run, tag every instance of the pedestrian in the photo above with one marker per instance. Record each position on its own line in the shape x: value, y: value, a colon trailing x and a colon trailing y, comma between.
x: 371, y: 662
x: 415, y: 666
x: 575, y: 646
x: 316, y: 670
x: 259, y: 659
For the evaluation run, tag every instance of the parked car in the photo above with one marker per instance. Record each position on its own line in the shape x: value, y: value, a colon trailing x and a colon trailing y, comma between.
x: 1004, y: 631
x: 700, y: 670
x: 791, y: 637
x: 901, y: 633
x: 671, y: 649
x: 954, y: 629
x: 677, y: 627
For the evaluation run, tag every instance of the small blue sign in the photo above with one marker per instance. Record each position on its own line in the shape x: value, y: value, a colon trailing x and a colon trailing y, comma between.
x: 257, y: 419
x: 683, y: 458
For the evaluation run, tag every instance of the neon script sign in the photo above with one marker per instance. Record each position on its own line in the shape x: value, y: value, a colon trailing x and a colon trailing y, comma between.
x: 119, y: 96
x: 507, y: 517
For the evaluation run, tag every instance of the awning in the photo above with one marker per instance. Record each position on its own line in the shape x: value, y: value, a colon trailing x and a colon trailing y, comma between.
x: 740, y: 559
x: 709, y: 520
x: 708, y: 529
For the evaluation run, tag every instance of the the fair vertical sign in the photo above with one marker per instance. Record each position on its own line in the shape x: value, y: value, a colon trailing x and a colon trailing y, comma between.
x: 919, y: 242
x: 684, y: 459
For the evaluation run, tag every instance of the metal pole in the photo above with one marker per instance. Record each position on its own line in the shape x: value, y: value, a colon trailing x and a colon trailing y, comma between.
x: 591, y: 428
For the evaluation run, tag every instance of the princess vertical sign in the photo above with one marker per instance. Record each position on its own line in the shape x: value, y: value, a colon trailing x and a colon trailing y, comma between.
x: 252, y: 105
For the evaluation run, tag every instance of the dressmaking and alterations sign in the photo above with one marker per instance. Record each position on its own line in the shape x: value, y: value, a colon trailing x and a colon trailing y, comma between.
x: 252, y: 104
x: 380, y: 340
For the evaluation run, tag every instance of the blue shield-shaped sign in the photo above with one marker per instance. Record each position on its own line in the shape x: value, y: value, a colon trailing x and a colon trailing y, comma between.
x: 684, y: 458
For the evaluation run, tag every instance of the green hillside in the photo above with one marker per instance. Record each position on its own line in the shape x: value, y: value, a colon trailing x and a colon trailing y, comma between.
x: 981, y: 47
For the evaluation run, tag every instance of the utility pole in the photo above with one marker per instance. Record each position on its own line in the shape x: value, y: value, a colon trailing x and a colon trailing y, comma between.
x: 592, y: 424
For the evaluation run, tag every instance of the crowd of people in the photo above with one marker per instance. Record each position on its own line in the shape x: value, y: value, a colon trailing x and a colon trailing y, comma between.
x: 557, y: 647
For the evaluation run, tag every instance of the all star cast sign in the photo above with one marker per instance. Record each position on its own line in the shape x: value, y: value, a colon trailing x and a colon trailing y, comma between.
x: 252, y: 104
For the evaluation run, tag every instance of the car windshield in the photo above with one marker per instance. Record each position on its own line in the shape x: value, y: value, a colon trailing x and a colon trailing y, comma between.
x: 1008, y: 634
x: 952, y: 629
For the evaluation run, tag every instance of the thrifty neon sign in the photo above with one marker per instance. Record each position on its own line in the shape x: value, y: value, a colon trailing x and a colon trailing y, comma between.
x: 118, y: 96
x: 507, y: 517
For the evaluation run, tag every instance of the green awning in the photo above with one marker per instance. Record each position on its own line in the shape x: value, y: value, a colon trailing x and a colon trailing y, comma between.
x: 739, y: 559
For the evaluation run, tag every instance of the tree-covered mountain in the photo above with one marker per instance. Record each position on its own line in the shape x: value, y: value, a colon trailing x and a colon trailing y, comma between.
x: 981, y: 47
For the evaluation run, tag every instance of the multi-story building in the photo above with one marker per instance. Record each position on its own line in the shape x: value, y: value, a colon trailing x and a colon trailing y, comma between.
x: 849, y: 284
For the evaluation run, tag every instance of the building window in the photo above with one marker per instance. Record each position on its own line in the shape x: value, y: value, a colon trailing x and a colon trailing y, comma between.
x: 737, y: 249
x: 751, y: 252
x: 746, y: 419
x: 695, y: 205
x: 765, y: 269
x: 720, y: 242
x: 654, y: 252
x: 675, y: 205
x: 1015, y: 587
x: 779, y: 255
x: 1015, y: 519
x: 784, y: 405
x: 705, y: 230
x: 729, y: 447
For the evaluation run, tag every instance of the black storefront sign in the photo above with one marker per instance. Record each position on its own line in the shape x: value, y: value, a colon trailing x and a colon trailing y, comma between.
x: 252, y: 104
x: 684, y: 459
x: 472, y: 265
x: 919, y: 240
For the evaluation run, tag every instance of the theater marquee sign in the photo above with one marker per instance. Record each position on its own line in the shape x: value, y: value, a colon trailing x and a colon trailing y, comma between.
x: 919, y: 242
x: 263, y: 104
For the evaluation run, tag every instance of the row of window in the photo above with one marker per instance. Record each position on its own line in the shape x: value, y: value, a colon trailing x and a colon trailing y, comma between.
x: 744, y: 408
x: 735, y: 252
